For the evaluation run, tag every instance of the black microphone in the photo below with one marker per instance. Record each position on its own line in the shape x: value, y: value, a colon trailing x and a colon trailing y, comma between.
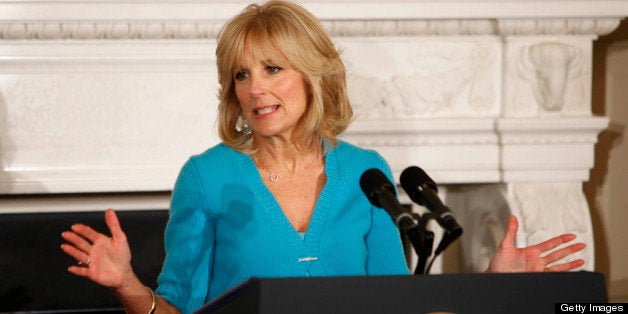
x: 381, y: 193
x: 422, y: 190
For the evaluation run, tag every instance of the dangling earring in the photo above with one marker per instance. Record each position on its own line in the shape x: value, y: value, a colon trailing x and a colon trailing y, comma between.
x: 242, y: 126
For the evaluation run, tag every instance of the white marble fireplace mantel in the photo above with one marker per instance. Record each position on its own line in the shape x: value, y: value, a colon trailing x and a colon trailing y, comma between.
x: 491, y: 98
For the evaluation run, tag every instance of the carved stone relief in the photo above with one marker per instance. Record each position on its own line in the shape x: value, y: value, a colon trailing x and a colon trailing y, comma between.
x: 423, y: 79
x: 551, y: 27
x: 548, y: 78
x: 550, y: 209
x: 108, y: 30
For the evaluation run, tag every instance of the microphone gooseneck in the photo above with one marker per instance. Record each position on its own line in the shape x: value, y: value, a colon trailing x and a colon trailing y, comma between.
x: 422, y: 190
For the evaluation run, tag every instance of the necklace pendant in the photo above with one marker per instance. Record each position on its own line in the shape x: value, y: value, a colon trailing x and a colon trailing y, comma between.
x: 273, y: 177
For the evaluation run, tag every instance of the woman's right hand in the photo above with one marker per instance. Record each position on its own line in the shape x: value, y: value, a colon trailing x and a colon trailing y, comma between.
x: 104, y: 260
x: 107, y: 261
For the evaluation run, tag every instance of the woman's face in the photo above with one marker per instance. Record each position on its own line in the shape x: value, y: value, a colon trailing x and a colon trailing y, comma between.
x: 273, y: 99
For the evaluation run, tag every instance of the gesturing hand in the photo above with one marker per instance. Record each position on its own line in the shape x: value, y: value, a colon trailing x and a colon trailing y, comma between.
x: 104, y: 260
x: 509, y: 258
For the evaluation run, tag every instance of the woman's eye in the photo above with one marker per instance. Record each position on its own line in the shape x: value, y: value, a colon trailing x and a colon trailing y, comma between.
x: 273, y: 69
x: 241, y: 75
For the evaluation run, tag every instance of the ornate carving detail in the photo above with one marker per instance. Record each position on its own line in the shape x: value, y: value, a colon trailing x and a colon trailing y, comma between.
x: 551, y: 75
x: 112, y: 31
x: 443, y: 79
x: 410, y: 28
x: 208, y: 30
x: 524, y: 27
x: 553, y: 65
x: 86, y: 30
x: 548, y: 209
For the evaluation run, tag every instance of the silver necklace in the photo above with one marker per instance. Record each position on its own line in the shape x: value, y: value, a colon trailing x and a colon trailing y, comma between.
x: 271, y: 176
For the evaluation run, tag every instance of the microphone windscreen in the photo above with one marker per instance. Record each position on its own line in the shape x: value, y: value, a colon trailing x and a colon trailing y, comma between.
x: 372, y: 180
x: 413, y: 177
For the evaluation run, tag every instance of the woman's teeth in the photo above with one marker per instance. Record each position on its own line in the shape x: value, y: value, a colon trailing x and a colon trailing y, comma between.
x: 265, y: 110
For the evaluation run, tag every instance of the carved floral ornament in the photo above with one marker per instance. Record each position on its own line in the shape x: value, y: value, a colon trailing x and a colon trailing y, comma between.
x: 93, y: 30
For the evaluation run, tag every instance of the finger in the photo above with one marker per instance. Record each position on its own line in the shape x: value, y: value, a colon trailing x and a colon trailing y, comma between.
x: 511, y: 232
x: 114, y: 225
x: 77, y: 241
x: 78, y: 270
x: 566, y: 266
x: 75, y: 253
x: 561, y: 253
x: 87, y: 232
x: 554, y: 242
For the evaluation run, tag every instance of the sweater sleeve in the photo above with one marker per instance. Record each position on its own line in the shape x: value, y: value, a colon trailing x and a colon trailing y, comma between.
x: 385, y: 251
x: 189, y: 244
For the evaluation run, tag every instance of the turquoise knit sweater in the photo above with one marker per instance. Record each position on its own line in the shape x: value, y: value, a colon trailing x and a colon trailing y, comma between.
x: 226, y: 227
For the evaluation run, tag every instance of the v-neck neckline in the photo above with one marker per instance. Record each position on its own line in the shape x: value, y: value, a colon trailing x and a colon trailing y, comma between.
x: 276, y: 214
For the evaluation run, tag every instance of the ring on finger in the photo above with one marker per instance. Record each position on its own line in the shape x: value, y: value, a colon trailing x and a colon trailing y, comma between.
x: 89, y: 259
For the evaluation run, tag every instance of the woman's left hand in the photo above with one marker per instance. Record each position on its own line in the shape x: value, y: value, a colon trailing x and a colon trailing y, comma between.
x: 510, y: 259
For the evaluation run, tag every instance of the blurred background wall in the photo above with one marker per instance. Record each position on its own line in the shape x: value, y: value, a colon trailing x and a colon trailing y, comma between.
x: 607, y: 189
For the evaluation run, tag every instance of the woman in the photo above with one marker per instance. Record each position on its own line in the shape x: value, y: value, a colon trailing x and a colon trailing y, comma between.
x: 280, y: 196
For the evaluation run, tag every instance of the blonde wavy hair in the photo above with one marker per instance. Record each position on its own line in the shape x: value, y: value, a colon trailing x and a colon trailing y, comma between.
x: 291, y: 36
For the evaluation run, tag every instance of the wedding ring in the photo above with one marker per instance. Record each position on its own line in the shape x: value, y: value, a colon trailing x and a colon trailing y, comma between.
x: 86, y: 264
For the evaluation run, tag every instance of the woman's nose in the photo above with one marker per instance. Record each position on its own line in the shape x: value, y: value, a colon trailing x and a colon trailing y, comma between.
x: 257, y: 86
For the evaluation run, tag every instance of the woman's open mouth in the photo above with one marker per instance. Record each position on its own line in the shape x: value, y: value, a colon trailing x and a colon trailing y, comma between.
x: 265, y: 110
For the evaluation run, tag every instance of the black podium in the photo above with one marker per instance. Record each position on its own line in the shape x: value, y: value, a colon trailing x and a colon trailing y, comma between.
x: 467, y: 293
